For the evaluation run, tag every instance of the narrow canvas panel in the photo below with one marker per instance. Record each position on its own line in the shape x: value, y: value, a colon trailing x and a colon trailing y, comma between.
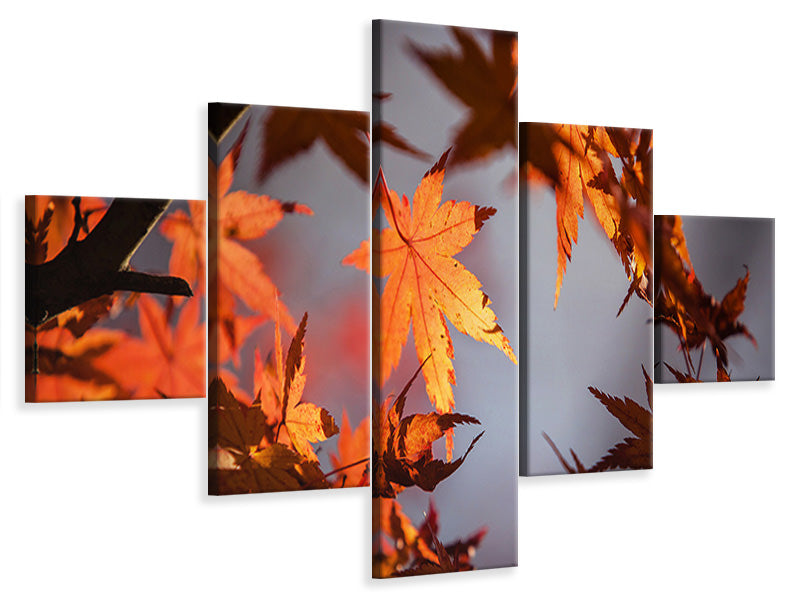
x: 445, y: 412
x: 715, y: 299
x: 586, y: 387
x: 288, y: 313
x: 111, y: 312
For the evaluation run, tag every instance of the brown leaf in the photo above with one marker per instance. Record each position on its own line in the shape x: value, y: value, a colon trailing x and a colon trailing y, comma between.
x: 684, y: 306
x: 633, y: 452
x: 402, y: 446
x: 401, y: 549
x: 385, y: 133
x: 681, y: 377
x: 287, y: 132
x: 485, y: 84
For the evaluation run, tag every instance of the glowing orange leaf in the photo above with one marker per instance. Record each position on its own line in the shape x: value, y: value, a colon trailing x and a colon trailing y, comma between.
x: 353, y: 446
x: 426, y: 284
x: 164, y: 362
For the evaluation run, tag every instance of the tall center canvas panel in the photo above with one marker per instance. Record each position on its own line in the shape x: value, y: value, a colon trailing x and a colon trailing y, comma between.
x: 587, y: 206
x: 288, y: 315
x: 444, y: 299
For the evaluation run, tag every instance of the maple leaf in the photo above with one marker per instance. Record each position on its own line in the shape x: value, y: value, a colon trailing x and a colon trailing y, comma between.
x: 228, y: 329
x: 402, y: 454
x: 352, y: 449
x: 359, y: 258
x: 289, y: 131
x: 163, y: 362
x: 681, y: 377
x: 237, y: 272
x: 61, y: 367
x: 684, y: 306
x: 386, y: 133
x: 576, y: 162
x: 633, y: 452
x: 237, y: 427
x: 486, y: 85
x: 305, y: 422
x: 426, y: 283
x: 187, y: 231
x: 416, y: 550
x: 238, y: 431
x: 264, y: 444
x: 390, y: 524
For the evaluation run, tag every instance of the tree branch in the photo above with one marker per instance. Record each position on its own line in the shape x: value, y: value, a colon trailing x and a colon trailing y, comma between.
x: 98, y: 264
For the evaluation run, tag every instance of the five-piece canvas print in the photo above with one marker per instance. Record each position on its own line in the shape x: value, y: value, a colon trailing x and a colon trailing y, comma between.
x: 715, y: 299
x: 110, y: 311
x: 481, y: 242
x: 586, y: 230
x: 444, y: 357
x: 288, y: 313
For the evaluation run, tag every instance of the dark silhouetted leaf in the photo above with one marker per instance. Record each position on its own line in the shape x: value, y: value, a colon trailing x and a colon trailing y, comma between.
x: 485, y: 85
x: 287, y: 132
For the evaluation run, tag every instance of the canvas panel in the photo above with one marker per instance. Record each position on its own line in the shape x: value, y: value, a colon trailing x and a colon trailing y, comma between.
x: 288, y: 314
x: 444, y: 299
x: 110, y: 311
x: 715, y: 299
x: 586, y: 202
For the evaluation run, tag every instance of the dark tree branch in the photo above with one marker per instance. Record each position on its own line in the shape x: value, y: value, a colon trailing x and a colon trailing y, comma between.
x: 98, y: 264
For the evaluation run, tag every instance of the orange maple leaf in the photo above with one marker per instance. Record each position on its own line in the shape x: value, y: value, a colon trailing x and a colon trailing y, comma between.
x: 577, y: 169
x: 188, y: 235
x: 237, y: 271
x: 228, y: 329
x: 305, y: 422
x: 353, y: 447
x: 426, y: 284
x: 359, y: 258
x: 576, y: 161
x: 280, y: 390
x: 163, y: 362
x: 61, y: 367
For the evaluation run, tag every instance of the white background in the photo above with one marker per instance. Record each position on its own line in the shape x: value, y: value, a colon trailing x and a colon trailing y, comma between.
x: 108, y: 500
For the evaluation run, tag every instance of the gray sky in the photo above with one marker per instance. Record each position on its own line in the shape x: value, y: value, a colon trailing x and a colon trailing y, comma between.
x: 484, y: 490
x: 719, y: 248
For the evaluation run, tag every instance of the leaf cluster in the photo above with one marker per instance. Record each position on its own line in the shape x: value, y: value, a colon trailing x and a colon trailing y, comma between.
x: 402, y: 549
x: 578, y: 163
x: 265, y: 444
x: 682, y: 305
x: 402, y: 454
